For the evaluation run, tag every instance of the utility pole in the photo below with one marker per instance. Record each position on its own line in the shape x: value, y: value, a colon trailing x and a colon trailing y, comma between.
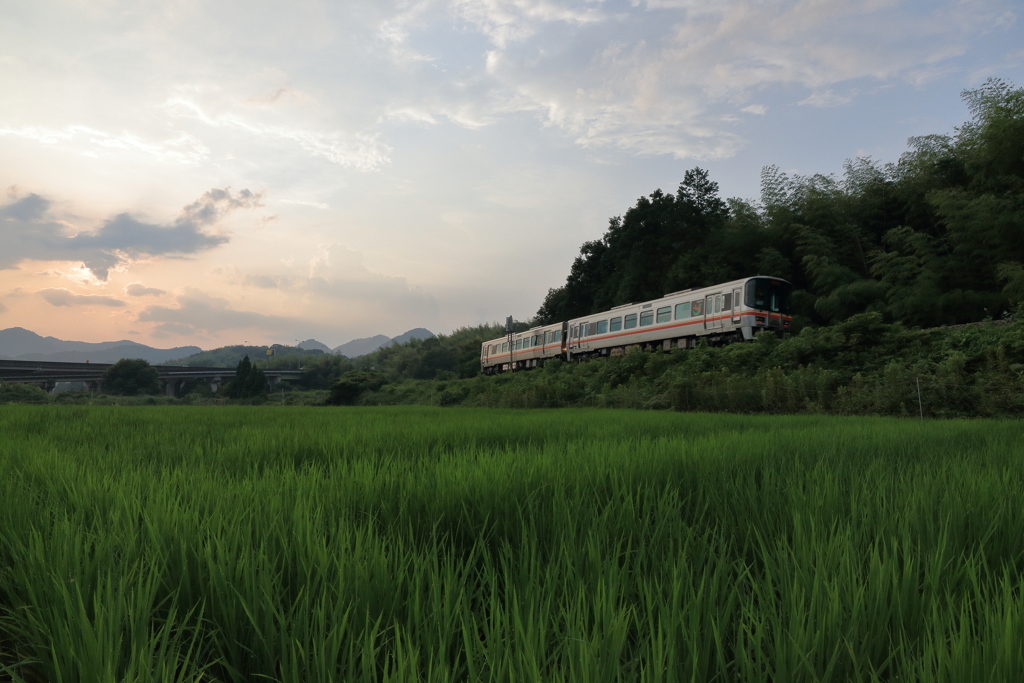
x: 511, y: 345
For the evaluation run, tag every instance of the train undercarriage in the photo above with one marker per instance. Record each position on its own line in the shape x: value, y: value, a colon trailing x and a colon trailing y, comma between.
x: 692, y: 342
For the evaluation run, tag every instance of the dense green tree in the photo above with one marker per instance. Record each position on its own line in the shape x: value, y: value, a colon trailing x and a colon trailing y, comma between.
x: 318, y: 371
x: 130, y: 377
x: 249, y: 381
x: 665, y: 242
x: 347, y: 389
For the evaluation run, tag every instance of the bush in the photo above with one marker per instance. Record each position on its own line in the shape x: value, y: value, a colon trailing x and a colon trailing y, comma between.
x: 22, y: 393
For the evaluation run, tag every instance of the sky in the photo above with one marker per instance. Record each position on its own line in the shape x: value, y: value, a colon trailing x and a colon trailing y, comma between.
x: 199, y: 173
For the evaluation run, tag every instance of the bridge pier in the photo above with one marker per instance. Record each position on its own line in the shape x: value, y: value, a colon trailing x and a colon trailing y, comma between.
x: 95, y: 386
x: 171, y: 387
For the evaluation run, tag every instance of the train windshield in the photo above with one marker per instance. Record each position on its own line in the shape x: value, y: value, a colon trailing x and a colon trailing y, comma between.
x: 769, y: 294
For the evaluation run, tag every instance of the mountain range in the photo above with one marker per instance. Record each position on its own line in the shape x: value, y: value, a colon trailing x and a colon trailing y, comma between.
x: 17, y: 343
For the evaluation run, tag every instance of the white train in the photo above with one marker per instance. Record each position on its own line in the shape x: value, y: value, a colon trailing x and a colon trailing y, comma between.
x: 729, y: 312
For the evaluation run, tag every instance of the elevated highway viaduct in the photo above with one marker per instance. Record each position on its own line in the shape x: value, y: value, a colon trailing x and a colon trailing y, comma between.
x: 46, y: 374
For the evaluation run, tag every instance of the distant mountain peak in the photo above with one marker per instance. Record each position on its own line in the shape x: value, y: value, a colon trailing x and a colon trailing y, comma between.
x: 313, y: 345
x: 367, y: 345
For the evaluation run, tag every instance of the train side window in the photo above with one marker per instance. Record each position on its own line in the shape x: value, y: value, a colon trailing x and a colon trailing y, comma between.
x: 526, y: 343
x: 727, y: 302
x: 698, y: 307
x: 630, y: 322
x: 646, y: 318
x: 664, y: 314
x: 683, y: 310
x: 558, y: 336
x: 519, y: 344
x: 602, y: 326
x: 591, y: 329
x: 718, y: 304
x: 616, y: 324
x: 504, y: 347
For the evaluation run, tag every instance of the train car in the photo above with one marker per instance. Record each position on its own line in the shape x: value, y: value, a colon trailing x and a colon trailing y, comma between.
x: 731, y: 311
x: 526, y: 350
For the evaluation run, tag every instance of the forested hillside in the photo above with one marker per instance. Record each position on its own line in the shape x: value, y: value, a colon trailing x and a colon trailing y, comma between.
x: 935, y: 238
x: 446, y: 356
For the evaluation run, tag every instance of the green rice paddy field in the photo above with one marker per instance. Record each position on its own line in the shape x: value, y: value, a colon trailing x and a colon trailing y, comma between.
x: 417, y: 544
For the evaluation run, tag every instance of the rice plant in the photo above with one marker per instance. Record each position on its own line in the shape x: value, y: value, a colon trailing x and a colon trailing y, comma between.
x: 418, y: 544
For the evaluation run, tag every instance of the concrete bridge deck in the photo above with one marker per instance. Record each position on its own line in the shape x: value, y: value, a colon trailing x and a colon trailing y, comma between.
x: 46, y: 374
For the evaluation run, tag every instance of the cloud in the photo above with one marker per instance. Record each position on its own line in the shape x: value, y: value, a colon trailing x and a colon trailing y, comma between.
x: 31, y: 230
x: 136, y: 289
x: 197, y: 311
x: 28, y: 208
x: 363, y: 151
x: 165, y: 330
x: 64, y: 297
x: 670, y: 76
x: 3, y: 308
x: 826, y: 98
x: 263, y: 281
x: 506, y: 21
x: 216, y: 203
x: 180, y: 149
x: 315, y: 205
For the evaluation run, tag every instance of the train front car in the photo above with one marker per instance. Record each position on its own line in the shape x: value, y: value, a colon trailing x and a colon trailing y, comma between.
x: 525, y: 350
x: 724, y: 313
x: 767, y: 305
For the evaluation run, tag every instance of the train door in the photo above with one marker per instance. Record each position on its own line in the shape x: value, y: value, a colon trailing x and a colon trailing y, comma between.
x: 736, y: 306
x: 713, y: 312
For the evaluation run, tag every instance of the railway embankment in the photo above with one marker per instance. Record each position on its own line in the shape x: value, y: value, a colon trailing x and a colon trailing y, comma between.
x: 863, y: 366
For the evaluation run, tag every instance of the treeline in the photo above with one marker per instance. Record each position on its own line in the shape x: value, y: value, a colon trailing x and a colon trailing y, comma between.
x: 862, y: 366
x: 936, y: 238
